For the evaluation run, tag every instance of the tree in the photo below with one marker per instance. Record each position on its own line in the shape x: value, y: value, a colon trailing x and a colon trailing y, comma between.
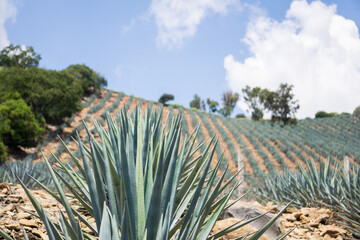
x: 240, y: 115
x: 356, y: 112
x: 19, y: 125
x: 165, y: 98
x: 213, y: 105
x: 254, y: 98
x: 50, y: 94
x: 323, y: 114
x: 197, y: 103
x: 281, y: 103
x: 19, y: 56
x: 229, y: 100
x: 89, y: 80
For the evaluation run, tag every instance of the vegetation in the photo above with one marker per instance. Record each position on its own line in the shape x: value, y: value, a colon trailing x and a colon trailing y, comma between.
x: 280, y: 103
x: 213, y: 105
x: 50, y: 94
x: 19, y: 56
x: 356, y: 112
x: 89, y: 80
x: 165, y: 98
x: 229, y: 100
x: 197, y: 103
x: 141, y: 185
x: 323, y: 114
x: 327, y: 185
x: 240, y: 115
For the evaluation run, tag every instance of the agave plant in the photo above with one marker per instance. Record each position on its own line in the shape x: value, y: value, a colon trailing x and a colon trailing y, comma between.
x: 141, y: 180
x: 325, y: 186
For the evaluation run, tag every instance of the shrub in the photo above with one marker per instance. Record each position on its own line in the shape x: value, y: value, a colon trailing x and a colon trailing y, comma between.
x: 3, y: 153
x: 49, y: 94
x: 323, y: 114
x: 19, y: 126
x: 89, y: 80
x: 165, y: 98
x: 356, y: 112
x: 141, y: 182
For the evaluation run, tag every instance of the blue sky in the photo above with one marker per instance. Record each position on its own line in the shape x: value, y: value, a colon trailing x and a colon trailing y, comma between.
x: 147, y: 48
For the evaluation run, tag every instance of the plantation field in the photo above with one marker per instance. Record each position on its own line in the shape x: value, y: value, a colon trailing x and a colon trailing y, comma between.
x: 266, y: 147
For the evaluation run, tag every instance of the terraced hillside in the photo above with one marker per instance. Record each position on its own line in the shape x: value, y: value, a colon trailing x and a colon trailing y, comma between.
x: 266, y: 147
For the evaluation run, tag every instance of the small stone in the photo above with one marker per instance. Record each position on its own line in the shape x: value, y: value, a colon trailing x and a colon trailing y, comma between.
x: 23, y: 215
x: 4, y: 191
x: 288, y: 224
x: 37, y: 232
x: 13, y: 226
x: 331, y: 230
x: 322, y: 218
x: 297, y: 215
x: 314, y: 224
x: 29, y: 223
x: 7, y: 208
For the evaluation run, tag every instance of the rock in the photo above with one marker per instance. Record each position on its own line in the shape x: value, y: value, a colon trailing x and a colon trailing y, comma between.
x: 23, y: 215
x: 322, y: 218
x: 222, y: 224
x: 13, y: 226
x: 297, y: 215
x: 246, y: 211
x: 7, y: 208
x: 314, y: 224
x: 37, y: 232
x: 29, y: 223
x: 331, y: 230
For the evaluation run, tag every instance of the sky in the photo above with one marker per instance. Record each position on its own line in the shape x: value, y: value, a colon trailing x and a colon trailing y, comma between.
x: 204, y: 47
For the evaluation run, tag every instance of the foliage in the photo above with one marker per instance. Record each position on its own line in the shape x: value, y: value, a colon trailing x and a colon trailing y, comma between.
x: 19, y: 56
x: 323, y: 114
x: 50, y: 94
x: 141, y: 182
x: 18, y: 123
x: 229, y: 100
x: 281, y: 103
x: 90, y: 80
x: 356, y: 112
x: 213, y: 105
x: 254, y: 99
x: 165, y: 98
x: 3, y: 151
x: 198, y: 103
x: 240, y: 115
x: 327, y: 185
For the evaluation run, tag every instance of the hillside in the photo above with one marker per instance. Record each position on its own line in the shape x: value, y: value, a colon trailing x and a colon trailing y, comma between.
x: 266, y: 147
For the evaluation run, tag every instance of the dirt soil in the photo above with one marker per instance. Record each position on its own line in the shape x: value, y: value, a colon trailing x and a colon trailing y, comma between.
x: 16, y: 211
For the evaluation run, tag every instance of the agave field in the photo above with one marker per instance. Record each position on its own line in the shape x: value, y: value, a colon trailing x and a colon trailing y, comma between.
x: 287, y: 156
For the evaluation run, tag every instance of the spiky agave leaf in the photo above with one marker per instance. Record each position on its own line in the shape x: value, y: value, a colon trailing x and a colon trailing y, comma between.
x: 142, y: 180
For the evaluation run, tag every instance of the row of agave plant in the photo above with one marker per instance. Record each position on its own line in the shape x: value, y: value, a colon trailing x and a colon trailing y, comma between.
x: 142, y: 180
x: 327, y: 185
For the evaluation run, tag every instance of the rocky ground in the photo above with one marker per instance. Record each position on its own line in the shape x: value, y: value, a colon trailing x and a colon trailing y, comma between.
x: 311, y: 223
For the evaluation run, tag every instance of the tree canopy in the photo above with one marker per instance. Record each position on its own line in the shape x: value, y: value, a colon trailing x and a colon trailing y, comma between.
x: 165, y: 98
x: 50, y: 94
x: 89, y: 80
x: 198, y: 103
x: 229, y: 100
x: 19, y: 56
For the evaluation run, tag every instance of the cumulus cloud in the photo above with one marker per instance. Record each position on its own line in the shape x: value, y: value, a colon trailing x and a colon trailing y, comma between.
x: 7, y: 11
x: 177, y: 20
x: 313, y: 48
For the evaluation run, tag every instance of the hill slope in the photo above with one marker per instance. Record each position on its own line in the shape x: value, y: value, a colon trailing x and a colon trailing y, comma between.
x: 266, y: 147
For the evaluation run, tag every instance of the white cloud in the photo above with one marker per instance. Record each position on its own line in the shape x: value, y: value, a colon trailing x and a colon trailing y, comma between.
x: 177, y: 20
x: 7, y: 11
x: 313, y: 48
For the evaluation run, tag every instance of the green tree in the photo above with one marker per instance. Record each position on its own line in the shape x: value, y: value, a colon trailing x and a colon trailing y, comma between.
x: 229, y: 100
x: 19, y: 56
x: 356, y: 112
x: 50, y: 94
x: 282, y: 104
x: 240, y: 115
x: 19, y: 125
x: 213, y: 105
x: 3, y: 151
x: 198, y: 103
x: 89, y: 79
x: 254, y: 98
x: 323, y: 114
x: 165, y: 98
